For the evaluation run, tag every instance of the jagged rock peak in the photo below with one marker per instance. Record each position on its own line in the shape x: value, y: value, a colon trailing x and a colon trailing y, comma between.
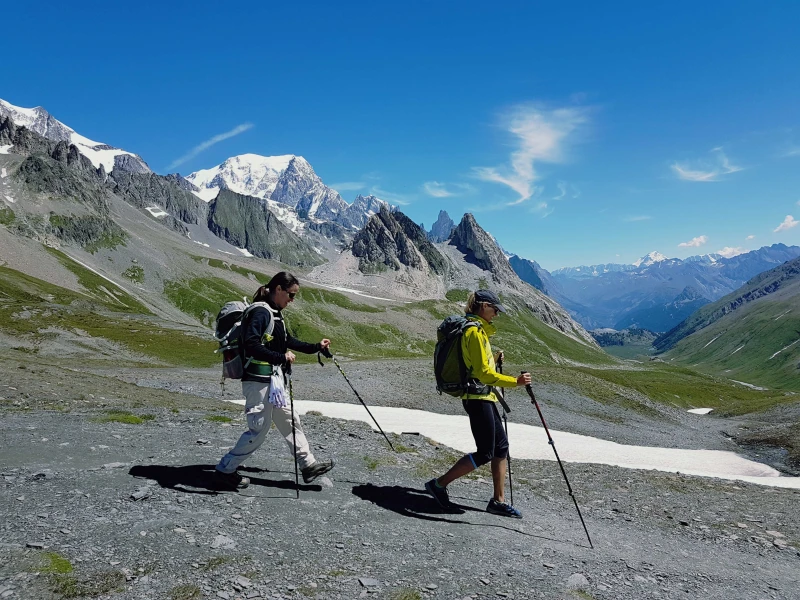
x: 39, y: 121
x: 441, y: 229
x: 481, y: 249
x: 391, y: 240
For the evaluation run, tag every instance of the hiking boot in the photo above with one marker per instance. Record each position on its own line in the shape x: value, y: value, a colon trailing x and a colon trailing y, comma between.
x: 439, y: 494
x: 503, y: 509
x: 230, y: 481
x: 311, y: 472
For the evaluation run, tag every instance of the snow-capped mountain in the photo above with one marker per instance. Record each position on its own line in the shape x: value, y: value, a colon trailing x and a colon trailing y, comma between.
x: 650, y: 259
x: 294, y: 192
x: 706, y: 259
x: 592, y: 270
x: 598, y: 270
x: 42, y: 122
x: 246, y: 174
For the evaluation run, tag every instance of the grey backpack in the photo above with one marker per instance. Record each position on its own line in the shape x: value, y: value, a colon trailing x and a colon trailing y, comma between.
x: 228, y: 332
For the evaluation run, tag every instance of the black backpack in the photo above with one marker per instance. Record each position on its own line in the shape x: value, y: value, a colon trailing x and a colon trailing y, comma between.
x: 448, y: 361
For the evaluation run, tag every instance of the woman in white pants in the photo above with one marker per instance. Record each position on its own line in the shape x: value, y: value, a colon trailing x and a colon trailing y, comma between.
x: 266, y: 348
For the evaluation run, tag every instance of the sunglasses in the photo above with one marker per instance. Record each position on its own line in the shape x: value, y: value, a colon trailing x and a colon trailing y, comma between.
x: 292, y: 295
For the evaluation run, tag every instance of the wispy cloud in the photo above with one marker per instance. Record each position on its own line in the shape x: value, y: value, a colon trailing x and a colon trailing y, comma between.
x: 210, y: 142
x: 729, y: 252
x: 637, y: 218
x: 694, y: 242
x: 749, y: 237
x: 705, y: 171
x: 791, y: 152
x: 436, y: 189
x: 566, y: 190
x: 348, y: 186
x: 798, y: 203
x: 788, y: 223
x: 540, y: 136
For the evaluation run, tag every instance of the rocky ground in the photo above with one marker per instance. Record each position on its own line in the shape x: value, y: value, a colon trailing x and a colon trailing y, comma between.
x: 105, y: 492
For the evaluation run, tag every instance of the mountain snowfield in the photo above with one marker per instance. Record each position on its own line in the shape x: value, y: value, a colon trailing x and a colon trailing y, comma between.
x: 42, y: 122
x: 246, y: 174
x: 289, y: 185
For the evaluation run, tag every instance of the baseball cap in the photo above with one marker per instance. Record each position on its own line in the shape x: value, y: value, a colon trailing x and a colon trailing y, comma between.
x: 491, y: 298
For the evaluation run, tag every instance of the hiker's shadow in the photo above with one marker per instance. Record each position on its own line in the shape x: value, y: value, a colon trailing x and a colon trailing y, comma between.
x: 418, y: 504
x: 199, y: 479
x: 409, y: 502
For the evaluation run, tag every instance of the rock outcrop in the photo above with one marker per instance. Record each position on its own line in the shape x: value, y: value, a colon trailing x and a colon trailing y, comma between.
x: 148, y: 189
x: 392, y: 240
x: 481, y: 249
x: 246, y: 222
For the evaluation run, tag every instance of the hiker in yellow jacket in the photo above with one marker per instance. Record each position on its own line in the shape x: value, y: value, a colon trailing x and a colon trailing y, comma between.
x: 480, y: 402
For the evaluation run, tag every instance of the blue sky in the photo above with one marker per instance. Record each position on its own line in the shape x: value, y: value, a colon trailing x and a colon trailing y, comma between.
x: 575, y: 132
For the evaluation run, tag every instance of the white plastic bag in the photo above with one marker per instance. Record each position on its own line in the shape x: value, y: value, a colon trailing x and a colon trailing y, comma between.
x: 278, y: 396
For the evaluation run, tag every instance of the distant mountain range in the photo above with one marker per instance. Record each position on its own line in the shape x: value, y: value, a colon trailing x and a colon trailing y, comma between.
x: 654, y: 293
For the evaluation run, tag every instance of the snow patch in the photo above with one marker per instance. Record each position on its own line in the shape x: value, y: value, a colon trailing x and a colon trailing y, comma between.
x: 5, y: 150
x: 776, y: 318
x: 739, y: 348
x: 532, y: 444
x: 156, y: 211
x: 99, y: 157
x: 750, y: 385
x: 700, y: 411
x: 10, y: 199
x: 201, y: 243
x: 709, y: 343
x: 3, y: 173
x: 206, y: 194
x: 245, y: 252
x: 351, y: 291
x: 784, y: 348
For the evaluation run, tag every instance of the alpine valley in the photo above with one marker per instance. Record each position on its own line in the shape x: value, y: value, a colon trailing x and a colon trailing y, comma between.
x: 111, y: 276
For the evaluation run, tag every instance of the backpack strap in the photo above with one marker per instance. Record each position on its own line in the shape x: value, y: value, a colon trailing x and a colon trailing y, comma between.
x: 462, y: 367
x: 270, y: 326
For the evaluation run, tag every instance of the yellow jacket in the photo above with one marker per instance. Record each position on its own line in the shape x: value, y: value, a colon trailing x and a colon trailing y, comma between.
x: 479, y: 359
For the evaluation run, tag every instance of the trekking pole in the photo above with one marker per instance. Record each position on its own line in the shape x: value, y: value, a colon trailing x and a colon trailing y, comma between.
x: 506, y: 410
x: 327, y: 353
x: 294, y: 442
x: 563, y: 472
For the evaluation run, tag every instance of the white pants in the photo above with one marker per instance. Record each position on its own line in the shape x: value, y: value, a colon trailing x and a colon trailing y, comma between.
x: 260, y: 415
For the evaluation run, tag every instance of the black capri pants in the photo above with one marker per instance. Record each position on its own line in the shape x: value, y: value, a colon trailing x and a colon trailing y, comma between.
x: 487, y: 429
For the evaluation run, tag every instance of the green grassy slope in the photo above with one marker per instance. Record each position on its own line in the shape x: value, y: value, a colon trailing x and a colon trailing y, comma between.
x: 758, y: 344
x: 30, y: 309
x: 751, y: 335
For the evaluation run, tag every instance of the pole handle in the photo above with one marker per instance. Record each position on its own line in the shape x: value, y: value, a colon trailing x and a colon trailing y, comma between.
x: 529, y: 389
